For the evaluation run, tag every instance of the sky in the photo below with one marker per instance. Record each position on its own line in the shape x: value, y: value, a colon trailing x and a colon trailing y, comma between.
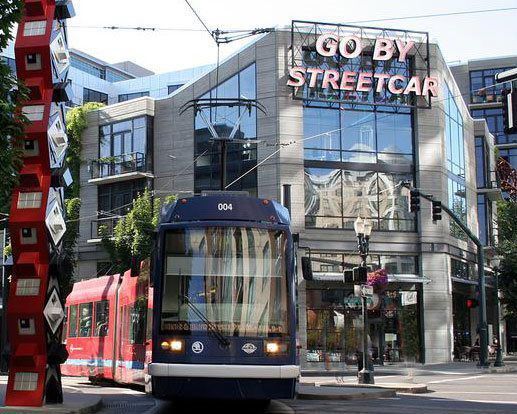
x: 460, y: 37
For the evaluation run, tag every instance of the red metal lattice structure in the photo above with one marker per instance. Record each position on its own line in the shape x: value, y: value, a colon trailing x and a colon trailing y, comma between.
x: 35, y: 310
x: 507, y: 177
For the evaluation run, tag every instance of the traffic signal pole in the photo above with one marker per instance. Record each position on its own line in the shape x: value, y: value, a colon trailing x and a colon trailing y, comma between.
x: 482, y: 324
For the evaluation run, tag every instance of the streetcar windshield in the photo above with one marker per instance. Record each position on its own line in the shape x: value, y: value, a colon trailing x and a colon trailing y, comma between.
x: 233, y: 277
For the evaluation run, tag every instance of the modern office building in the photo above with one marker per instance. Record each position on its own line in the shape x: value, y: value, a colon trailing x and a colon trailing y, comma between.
x: 476, y: 80
x: 343, y: 149
x: 94, y: 80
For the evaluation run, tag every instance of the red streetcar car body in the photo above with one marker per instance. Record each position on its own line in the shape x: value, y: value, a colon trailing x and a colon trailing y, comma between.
x: 108, y: 328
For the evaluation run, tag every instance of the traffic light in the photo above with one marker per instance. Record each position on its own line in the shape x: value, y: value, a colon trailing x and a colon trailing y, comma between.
x: 360, y: 274
x: 510, y: 111
x: 414, y: 200
x: 437, y: 210
x: 472, y: 303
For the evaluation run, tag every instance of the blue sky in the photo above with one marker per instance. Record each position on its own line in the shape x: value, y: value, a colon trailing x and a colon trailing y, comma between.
x: 460, y: 37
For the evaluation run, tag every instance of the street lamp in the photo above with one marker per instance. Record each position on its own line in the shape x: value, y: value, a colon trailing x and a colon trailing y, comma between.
x: 363, y: 229
x: 496, y: 262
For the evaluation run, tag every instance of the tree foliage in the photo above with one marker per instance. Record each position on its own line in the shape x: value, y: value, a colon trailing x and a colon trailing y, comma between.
x: 507, y: 249
x: 72, y: 207
x: 76, y: 123
x: 12, y: 94
x: 132, y: 236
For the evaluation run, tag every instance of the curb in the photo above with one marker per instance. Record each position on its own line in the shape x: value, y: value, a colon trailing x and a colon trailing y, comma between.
x: 399, y: 388
x: 320, y: 394
x: 94, y: 407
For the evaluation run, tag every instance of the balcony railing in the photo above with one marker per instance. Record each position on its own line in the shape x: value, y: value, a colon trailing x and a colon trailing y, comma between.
x: 102, y: 227
x: 120, y: 164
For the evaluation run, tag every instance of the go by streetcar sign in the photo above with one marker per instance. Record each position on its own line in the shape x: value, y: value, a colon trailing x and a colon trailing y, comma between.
x: 336, y: 63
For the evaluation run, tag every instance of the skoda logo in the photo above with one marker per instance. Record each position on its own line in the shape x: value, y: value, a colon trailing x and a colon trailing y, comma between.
x: 197, y: 347
x: 249, y: 348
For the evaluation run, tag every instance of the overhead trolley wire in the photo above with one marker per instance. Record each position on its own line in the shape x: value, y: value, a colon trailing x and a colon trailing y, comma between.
x: 184, y: 29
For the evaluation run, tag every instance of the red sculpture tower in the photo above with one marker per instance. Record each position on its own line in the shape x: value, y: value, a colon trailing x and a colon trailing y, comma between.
x: 35, y: 311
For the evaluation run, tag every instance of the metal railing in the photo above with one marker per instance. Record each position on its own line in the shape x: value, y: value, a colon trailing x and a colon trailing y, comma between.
x: 119, y: 164
x: 103, y: 227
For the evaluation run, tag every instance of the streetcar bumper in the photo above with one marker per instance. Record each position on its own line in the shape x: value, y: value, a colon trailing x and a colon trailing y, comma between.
x: 254, y: 382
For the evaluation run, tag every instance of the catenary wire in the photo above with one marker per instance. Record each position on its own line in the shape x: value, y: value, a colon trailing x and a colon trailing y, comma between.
x: 176, y: 29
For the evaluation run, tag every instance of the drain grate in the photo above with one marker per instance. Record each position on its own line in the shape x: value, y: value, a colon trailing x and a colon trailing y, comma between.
x: 126, y: 404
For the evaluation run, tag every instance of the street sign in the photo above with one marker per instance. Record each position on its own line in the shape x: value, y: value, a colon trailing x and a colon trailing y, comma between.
x: 366, y: 291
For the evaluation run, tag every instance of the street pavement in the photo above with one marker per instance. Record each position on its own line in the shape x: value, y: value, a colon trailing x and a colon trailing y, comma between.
x: 454, y: 388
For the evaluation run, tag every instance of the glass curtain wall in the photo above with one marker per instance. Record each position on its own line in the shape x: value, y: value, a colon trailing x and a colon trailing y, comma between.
x: 241, y: 157
x: 354, y: 161
x: 455, y: 149
x: 495, y: 122
x: 356, y: 155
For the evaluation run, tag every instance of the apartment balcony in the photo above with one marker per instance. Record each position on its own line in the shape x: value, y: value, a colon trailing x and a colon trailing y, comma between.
x: 491, y: 189
x: 119, y: 168
x: 103, y: 227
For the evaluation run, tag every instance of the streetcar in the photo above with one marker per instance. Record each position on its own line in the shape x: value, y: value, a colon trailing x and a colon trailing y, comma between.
x: 108, y: 328
x: 224, y: 323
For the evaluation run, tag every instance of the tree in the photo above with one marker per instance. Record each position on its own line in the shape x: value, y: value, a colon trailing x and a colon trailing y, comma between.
x: 507, y: 249
x: 132, y: 236
x: 12, y: 122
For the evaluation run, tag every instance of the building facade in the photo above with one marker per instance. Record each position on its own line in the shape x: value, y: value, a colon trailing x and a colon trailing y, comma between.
x: 340, y: 160
x: 476, y: 80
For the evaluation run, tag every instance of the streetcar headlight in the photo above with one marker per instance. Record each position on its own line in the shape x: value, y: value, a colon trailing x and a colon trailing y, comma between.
x: 275, y: 348
x: 176, y: 345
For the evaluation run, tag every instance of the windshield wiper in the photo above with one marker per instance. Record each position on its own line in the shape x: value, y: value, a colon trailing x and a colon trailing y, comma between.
x: 219, y: 336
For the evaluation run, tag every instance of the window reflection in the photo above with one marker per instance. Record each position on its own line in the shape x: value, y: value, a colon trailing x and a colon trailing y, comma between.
x: 334, y: 198
x: 240, y: 157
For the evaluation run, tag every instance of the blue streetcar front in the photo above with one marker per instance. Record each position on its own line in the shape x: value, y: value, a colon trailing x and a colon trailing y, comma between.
x: 224, y: 315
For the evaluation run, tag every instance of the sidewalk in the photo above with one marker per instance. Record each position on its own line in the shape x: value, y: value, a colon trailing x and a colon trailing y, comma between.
x: 74, y: 402
x: 453, y: 368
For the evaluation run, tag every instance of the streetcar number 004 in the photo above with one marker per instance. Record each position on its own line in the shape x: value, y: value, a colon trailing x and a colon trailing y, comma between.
x: 224, y: 206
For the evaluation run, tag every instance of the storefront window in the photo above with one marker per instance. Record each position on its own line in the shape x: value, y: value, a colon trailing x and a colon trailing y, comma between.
x: 334, y: 325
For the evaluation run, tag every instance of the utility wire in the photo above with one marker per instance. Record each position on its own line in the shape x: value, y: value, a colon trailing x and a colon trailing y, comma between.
x: 425, y: 16
x: 176, y: 29
x: 336, y: 130
x: 202, y: 22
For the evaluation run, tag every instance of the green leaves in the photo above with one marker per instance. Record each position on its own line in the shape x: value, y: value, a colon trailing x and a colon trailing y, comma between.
x: 76, y: 123
x: 507, y: 248
x: 12, y: 94
x: 132, y: 236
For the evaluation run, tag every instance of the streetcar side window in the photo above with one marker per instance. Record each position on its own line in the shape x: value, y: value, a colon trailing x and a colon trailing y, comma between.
x: 85, y: 319
x: 137, y: 323
x: 101, y: 318
x: 72, y: 323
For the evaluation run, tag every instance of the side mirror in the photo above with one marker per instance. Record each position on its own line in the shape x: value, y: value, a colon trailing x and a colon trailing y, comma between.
x: 307, y: 268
